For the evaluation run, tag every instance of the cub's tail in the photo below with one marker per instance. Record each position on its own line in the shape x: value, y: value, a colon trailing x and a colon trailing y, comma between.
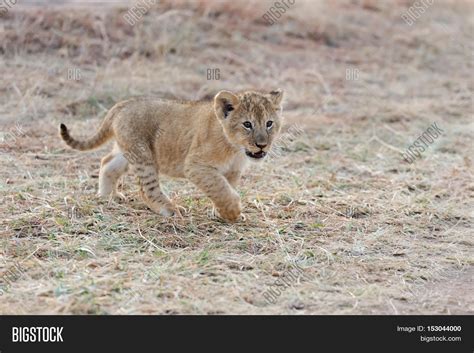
x: 104, y: 134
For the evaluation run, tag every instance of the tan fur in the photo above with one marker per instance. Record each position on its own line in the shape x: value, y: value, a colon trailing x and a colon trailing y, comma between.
x: 205, y: 142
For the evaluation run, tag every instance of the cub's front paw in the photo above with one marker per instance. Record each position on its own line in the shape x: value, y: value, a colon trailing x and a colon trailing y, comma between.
x: 230, y: 212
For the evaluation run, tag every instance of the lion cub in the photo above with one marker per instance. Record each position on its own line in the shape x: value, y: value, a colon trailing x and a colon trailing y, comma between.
x: 207, y: 142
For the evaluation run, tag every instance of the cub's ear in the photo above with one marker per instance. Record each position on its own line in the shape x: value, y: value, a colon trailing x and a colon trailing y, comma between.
x: 276, y: 97
x: 224, y: 103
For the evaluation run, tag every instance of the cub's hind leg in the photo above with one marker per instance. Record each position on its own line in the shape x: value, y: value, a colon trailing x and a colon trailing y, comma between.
x: 112, y: 167
x: 150, y: 190
x: 147, y: 171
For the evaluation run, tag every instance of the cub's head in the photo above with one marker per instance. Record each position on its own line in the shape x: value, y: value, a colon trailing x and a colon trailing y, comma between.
x: 251, y: 120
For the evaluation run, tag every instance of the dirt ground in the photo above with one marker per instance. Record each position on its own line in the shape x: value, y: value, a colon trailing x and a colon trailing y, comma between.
x: 372, y: 233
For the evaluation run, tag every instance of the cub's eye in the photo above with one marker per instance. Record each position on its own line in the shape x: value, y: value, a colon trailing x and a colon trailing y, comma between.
x: 269, y: 124
x: 247, y: 124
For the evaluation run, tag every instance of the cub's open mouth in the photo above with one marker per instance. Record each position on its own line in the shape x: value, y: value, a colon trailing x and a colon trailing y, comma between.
x: 256, y: 155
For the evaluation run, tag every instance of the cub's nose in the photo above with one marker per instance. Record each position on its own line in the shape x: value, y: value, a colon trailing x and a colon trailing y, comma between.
x: 262, y: 146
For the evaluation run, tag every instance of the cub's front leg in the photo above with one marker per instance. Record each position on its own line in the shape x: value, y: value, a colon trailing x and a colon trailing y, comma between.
x: 217, y: 188
x: 233, y: 177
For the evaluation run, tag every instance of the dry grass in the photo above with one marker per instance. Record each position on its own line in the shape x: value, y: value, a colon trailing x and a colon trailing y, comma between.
x: 374, y: 234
